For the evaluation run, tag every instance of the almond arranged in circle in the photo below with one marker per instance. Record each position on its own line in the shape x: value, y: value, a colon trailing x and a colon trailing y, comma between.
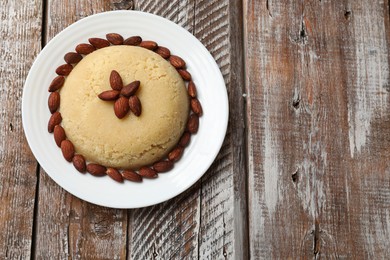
x: 147, y: 172
x: 114, y: 38
x: 163, y: 166
x: 67, y: 149
x: 114, y: 174
x: 131, y: 176
x: 99, y: 43
x: 133, y: 40
x: 59, y: 135
x: 53, y: 102
x: 96, y: 169
x: 79, y: 163
x: 54, y: 120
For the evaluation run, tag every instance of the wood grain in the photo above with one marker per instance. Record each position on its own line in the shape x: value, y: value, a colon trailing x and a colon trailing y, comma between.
x: 317, y: 81
x: 207, y: 221
x: 20, y: 27
x: 77, y: 229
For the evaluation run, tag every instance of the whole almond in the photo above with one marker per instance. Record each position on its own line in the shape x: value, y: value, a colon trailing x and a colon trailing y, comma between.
x: 116, y: 82
x: 53, y: 101
x: 163, y: 166
x: 85, y: 48
x: 184, y: 74
x: 114, y: 174
x: 191, y: 89
x: 96, y: 169
x: 67, y: 149
x: 163, y: 52
x: 59, y: 135
x: 147, y: 172
x: 56, y: 84
x: 54, y: 120
x: 130, y: 89
x: 185, y: 139
x: 135, y: 105
x: 193, y: 124
x: 115, y: 38
x: 72, y: 57
x: 177, y: 62
x: 64, y: 69
x: 99, y: 43
x: 133, y: 40
x: 79, y: 163
x: 131, y: 176
x: 196, y: 106
x: 176, y: 154
x: 150, y: 45
x: 121, y: 107
x: 109, y: 95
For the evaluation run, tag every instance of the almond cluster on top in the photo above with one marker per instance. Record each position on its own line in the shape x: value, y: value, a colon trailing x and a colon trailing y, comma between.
x: 124, y: 96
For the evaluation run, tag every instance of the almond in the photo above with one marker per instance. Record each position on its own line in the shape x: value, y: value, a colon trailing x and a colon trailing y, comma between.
x: 184, y: 74
x: 191, y: 89
x: 114, y: 174
x: 64, y: 69
x: 185, y: 139
x: 130, y: 89
x: 59, y: 135
x: 134, y: 40
x: 115, y: 38
x: 163, y: 52
x: 121, y: 107
x: 56, y: 84
x: 72, y: 57
x: 53, y: 101
x: 193, y: 124
x: 96, y: 169
x: 176, y: 154
x: 196, y: 106
x: 109, y: 95
x: 99, y: 43
x: 147, y: 172
x: 54, y: 120
x: 135, y: 105
x: 163, y: 166
x: 177, y: 62
x: 116, y: 82
x: 131, y: 176
x: 85, y: 48
x: 79, y: 163
x: 150, y: 45
x: 67, y: 149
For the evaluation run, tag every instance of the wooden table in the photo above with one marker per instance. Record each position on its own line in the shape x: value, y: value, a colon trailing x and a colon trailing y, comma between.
x: 304, y: 171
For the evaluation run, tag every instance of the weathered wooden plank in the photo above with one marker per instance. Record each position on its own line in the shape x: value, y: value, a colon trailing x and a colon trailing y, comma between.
x: 20, y: 28
x: 207, y: 221
x: 168, y: 230
x: 223, y: 233
x: 77, y: 229
x: 317, y: 78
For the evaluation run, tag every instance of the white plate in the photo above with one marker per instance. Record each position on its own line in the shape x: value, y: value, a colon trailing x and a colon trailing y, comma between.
x: 197, y: 157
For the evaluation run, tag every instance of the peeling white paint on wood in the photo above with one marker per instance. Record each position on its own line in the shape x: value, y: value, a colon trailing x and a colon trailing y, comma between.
x: 372, y: 75
x: 271, y: 169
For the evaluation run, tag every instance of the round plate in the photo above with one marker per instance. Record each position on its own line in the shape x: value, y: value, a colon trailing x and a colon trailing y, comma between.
x: 197, y: 157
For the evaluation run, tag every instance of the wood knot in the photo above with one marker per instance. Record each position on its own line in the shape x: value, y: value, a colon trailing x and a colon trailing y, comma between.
x: 295, y: 176
x: 347, y: 14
